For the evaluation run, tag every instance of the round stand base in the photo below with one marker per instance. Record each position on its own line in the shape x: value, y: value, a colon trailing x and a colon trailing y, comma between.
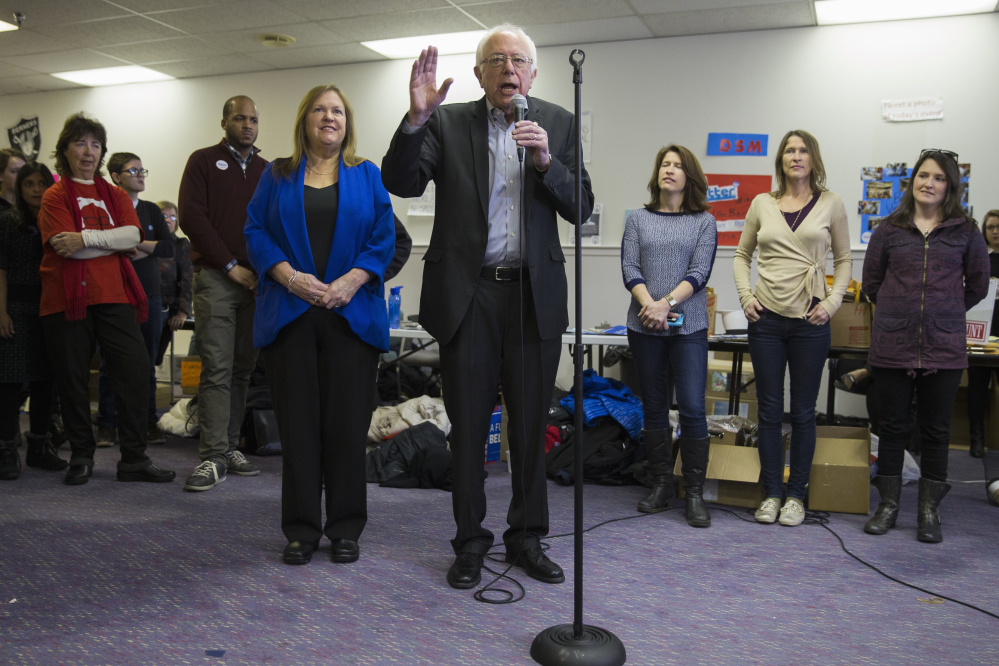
x: 556, y: 646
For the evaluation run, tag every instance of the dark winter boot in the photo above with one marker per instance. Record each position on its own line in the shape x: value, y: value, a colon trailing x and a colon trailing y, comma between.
x: 928, y: 516
x: 977, y: 434
x: 10, y: 460
x: 42, y: 454
x: 694, y: 465
x: 890, y: 487
x: 658, y: 450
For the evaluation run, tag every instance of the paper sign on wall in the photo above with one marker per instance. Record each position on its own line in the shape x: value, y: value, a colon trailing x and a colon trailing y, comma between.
x: 730, y: 197
x: 753, y: 145
x: 427, y: 204
x: 589, y: 231
x: 586, y: 132
x: 911, y: 110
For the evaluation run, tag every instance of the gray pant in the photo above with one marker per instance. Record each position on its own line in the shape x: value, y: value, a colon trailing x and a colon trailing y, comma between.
x: 223, y: 334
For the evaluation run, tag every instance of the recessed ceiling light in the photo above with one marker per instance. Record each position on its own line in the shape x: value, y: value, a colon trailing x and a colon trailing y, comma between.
x: 7, y: 27
x: 410, y: 47
x: 276, y: 41
x: 829, y: 12
x: 113, y: 76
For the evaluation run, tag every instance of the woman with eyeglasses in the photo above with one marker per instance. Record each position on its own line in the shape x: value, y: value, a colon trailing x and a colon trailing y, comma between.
x: 176, y: 279
x: 978, y: 376
x: 926, y: 266
x: 789, y: 308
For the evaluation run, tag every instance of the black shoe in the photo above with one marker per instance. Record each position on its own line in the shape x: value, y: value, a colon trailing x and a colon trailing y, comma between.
x: 154, y: 435
x: 694, y: 466
x: 298, y: 552
x: 890, y: 489
x: 10, y: 461
x: 536, y: 564
x: 928, y: 516
x: 658, y: 451
x: 344, y: 550
x: 79, y: 474
x: 150, y: 473
x: 206, y: 476
x: 42, y: 454
x: 466, y: 571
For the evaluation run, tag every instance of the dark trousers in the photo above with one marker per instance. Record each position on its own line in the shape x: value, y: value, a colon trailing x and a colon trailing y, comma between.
x: 686, y: 356
x: 776, y: 344
x: 150, y: 329
x: 935, y: 393
x: 11, y: 397
x: 322, y: 379
x: 491, y: 346
x: 71, y: 346
x: 978, y: 393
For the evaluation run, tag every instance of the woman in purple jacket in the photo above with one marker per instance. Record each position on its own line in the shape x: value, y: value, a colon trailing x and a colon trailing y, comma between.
x: 925, y: 267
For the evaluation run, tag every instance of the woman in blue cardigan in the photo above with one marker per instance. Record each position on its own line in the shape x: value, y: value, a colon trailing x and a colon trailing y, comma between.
x: 320, y: 233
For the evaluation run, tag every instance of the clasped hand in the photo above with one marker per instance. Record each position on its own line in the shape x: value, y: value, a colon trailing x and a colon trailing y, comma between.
x: 655, y: 315
x: 315, y: 292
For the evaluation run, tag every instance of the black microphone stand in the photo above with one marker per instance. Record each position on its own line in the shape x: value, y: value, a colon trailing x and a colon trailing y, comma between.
x: 578, y: 644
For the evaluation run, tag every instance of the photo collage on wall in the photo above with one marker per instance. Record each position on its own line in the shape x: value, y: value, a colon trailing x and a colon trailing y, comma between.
x: 882, y: 192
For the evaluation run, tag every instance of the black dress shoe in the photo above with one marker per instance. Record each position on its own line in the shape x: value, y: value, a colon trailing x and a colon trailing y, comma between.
x: 298, y: 552
x: 344, y: 550
x: 150, y: 473
x: 79, y: 474
x: 536, y: 564
x: 466, y: 571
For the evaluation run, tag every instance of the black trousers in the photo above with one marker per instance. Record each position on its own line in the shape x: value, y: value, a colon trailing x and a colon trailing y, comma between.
x: 11, y: 397
x: 978, y: 393
x: 71, y: 348
x: 322, y: 379
x: 935, y: 393
x: 491, y: 346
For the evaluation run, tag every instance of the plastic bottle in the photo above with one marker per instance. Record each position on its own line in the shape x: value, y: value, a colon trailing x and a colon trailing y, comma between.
x: 394, y: 306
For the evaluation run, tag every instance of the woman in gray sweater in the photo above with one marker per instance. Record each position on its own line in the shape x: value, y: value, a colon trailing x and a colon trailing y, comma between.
x: 667, y: 254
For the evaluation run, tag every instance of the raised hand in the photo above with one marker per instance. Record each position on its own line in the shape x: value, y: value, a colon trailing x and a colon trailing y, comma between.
x: 424, y: 95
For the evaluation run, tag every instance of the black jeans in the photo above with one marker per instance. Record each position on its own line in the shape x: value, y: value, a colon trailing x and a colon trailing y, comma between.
x: 687, y: 357
x: 978, y: 393
x: 106, y: 415
x: 42, y: 400
x: 322, y: 379
x: 935, y: 393
x: 71, y: 347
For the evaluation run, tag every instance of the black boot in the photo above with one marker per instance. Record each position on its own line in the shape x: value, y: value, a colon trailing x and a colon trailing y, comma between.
x: 658, y: 445
x: 42, y: 454
x: 10, y: 460
x: 694, y: 465
x: 977, y: 435
x: 884, y: 517
x: 928, y: 516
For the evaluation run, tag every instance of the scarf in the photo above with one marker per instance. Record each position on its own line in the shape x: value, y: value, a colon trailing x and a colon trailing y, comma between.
x: 74, y: 271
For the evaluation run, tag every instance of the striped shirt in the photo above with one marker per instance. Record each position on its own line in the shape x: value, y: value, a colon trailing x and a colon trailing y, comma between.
x: 661, y: 250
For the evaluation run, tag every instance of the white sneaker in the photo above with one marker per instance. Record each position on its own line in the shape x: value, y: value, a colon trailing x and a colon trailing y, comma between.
x: 793, y: 512
x: 767, y: 513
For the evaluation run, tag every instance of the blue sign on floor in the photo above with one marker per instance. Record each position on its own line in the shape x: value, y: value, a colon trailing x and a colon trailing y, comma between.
x: 493, y: 441
x: 753, y: 145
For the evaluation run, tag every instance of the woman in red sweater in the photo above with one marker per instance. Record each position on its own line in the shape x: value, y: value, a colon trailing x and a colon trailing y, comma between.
x: 90, y: 294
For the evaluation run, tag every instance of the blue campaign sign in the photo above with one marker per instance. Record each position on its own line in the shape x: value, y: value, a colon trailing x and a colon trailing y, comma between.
x: 754, y: 145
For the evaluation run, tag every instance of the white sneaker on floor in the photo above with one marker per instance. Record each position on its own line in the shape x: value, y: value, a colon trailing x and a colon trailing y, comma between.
x: 767, y: 513
x: 793, y: 512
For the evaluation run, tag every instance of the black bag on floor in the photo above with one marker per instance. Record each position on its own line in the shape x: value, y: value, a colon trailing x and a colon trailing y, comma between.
x: 607, y: 454
x: 258, y: 434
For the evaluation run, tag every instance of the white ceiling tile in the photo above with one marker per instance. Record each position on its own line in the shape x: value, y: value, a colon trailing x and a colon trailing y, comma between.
x: 144, y: 6
x: 24, y: 42
x: 64, y: 61
x: 318, y: 56
x: 234, y: 16
x: 15, y: 87
x: 660, y: 6
x: 180, y: 48
x: 305, y: 34
x: 538, y: 12
x: 787, y: 15
x: 45, y: 82
x: 95, y: 34
x: 582, y: 32
x: 235, y: 64
x: 318, y: 10
x: 9, y: 71
x: 407, y: 24
x: 38, y: 13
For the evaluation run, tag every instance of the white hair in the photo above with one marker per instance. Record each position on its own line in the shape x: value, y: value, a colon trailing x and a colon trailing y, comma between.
x: 507, y: 27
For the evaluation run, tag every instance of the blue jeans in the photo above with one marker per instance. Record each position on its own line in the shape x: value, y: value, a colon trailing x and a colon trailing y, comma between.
x: 687, y: 357
x: 777, y: 343
x: 107, y: 416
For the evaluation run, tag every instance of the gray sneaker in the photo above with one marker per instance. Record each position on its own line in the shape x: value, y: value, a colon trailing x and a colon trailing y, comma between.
x: 206, y: 476
x: 106, y: 436
x: 236, y: 463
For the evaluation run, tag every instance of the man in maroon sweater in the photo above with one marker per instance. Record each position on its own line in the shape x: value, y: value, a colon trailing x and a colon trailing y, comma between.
x: 216, y: 188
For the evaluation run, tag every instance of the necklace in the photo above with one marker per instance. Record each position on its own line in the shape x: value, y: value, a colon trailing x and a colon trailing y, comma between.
x: 794, y: 225
x: 319, y: 173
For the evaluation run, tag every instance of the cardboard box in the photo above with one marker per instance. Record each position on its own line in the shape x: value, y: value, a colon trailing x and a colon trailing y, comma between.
x: 840, y: 477
x: 190, y: 374
x: 851, y: 326
x: 719, y: 374
x: 712, y: 309
x: 733, y: 474
x: 748, y: 409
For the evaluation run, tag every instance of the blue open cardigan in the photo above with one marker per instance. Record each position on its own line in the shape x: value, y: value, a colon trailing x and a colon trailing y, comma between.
x: 364, y: 238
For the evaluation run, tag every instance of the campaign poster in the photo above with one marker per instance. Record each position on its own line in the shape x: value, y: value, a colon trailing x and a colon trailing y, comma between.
x: 730, y: 197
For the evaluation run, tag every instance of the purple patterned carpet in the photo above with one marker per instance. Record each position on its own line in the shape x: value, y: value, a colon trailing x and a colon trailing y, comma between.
x: 115, y: 573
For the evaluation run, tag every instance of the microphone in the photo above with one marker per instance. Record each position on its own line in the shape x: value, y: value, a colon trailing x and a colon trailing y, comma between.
x: 519, y: 104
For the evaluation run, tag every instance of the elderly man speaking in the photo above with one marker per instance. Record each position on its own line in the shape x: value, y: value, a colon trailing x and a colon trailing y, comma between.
x: 494, y: 293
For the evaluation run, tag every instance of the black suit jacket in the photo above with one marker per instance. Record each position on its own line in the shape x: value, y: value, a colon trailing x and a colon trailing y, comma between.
x: 452, y: 150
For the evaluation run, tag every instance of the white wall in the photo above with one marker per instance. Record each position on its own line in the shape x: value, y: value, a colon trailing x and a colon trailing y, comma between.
x: 642, y: 94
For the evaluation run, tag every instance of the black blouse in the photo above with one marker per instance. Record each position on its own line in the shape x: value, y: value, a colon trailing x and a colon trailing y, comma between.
x: 320, y: 221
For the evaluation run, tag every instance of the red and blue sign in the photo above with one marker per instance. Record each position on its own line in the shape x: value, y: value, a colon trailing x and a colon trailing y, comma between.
x: 753, y: 145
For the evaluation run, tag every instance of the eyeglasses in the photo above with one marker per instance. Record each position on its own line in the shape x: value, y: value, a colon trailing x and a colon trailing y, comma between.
x: 947, y: 153
x: 137, y: 172
x: 497, y: 60
x: 170, y: 218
